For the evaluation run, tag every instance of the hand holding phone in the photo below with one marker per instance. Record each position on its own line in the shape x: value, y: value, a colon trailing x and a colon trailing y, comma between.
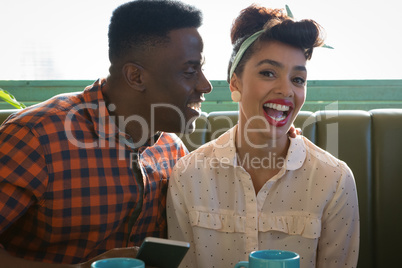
x: 162, y: 253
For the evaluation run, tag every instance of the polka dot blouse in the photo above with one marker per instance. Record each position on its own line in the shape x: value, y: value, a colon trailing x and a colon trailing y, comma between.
x: 309, y: 207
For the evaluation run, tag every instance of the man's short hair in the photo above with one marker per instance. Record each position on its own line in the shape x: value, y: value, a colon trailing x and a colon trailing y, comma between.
x: 142, y: 23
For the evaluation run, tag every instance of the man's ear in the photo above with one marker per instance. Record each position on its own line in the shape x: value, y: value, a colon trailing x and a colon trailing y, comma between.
x: 134, y: 74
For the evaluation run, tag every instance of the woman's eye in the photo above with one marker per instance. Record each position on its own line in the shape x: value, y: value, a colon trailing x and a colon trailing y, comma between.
x: 267, y: 73
x: 299, y: 80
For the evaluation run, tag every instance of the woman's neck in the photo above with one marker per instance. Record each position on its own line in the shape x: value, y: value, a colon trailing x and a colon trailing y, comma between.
x: 262, y: 157
x: 260, y: 144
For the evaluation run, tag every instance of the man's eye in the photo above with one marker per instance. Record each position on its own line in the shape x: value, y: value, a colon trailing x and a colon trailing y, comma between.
x: 190, y: 72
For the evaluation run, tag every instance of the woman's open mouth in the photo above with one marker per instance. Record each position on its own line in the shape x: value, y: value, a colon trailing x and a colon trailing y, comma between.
x: 277, y: 114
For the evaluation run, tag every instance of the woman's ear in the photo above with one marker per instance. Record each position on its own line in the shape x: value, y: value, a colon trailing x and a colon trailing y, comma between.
x: 134, y: 74
x: 235, y: 88
x: 234, y: 84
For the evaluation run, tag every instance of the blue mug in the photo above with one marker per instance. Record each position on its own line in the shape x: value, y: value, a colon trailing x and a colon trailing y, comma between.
x: 118, y: 263
x: 271, y: 259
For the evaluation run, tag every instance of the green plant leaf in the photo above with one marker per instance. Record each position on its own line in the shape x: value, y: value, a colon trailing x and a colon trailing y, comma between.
x: 7, y: 97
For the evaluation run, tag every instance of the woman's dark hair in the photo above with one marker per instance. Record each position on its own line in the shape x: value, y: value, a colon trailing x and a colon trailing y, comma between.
x: 304, y: 34
x: 143, y: 23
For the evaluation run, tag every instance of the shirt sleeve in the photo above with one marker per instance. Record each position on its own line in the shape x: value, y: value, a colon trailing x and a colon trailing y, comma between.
x: 339, y: 241
x: 23, y: 174
x: 179, y: 227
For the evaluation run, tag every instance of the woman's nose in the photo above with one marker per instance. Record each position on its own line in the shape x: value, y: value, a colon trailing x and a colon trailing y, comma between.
x: 285, y: 88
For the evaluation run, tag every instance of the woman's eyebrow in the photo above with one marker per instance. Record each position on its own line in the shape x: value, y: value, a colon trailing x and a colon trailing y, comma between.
x: 300, y: 68
x: 271, y: 62
x: 280, y: 65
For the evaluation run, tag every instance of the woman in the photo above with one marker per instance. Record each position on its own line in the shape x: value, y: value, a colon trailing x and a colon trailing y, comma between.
x: 255, y: 187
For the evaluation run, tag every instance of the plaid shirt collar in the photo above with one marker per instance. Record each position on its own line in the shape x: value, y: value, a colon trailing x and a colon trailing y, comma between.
x: 104, y: 123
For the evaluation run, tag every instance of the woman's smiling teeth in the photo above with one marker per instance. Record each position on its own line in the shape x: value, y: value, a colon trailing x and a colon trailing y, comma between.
x: 278, y: 107
x: 276, y: 111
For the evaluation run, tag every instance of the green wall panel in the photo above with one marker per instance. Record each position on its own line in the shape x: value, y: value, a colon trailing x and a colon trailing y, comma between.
x: 321, y: 94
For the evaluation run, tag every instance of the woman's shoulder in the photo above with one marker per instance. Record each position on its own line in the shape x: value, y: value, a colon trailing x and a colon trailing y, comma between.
x: 214, y: 150
x: 326, y: 164
x: 315, y: 152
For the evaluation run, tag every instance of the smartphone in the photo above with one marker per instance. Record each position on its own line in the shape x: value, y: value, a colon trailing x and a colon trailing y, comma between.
x: 162, y: 253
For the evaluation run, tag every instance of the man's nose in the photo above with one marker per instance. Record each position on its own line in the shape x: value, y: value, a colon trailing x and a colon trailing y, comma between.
x: 204, y: 86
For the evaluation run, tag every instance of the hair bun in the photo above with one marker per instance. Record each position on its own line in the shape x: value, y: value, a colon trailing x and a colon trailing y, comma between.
x: 252, y: 19
x: 276, y: 26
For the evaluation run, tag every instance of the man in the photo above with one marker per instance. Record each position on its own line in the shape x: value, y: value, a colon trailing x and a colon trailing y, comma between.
x: 84, y: 176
